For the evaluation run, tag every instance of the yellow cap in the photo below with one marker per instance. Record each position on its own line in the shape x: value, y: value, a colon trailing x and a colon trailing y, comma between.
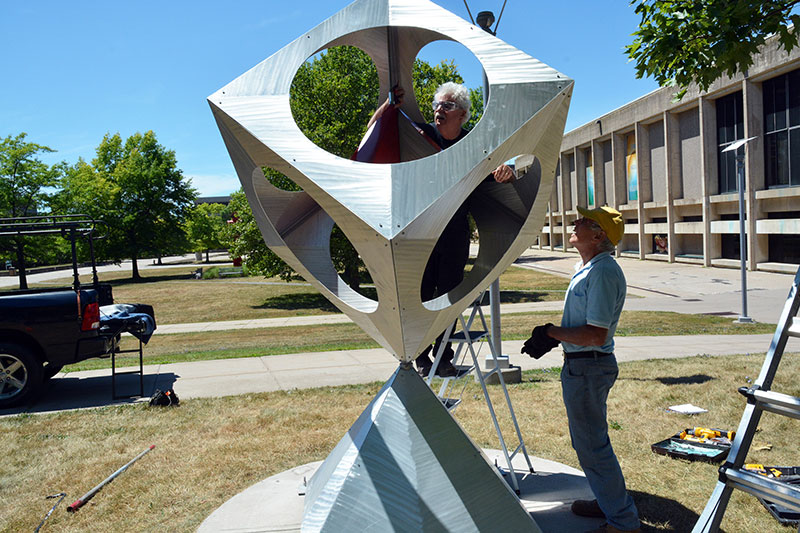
x: 609, y: 219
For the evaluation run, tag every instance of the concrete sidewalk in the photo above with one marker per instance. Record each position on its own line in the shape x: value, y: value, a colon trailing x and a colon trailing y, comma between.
x: 307, y: 370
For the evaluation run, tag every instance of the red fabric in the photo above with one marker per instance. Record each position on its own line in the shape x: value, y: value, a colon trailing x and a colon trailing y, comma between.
x: 381, y: 144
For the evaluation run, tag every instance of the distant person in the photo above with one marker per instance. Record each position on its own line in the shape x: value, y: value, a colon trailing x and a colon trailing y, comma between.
x: 591, y: 312
x: 445, y: 268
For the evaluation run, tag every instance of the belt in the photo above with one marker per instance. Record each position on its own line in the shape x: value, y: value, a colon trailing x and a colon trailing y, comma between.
x: 594, y: 354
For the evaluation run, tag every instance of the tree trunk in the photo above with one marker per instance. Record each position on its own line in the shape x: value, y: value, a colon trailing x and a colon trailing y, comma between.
x: 352, y: 277
x: 207, y: 259
x: 135, y: 269
x: 23, y: 276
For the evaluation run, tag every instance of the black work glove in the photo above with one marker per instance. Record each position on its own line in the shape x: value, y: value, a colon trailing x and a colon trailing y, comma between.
x: 540, y: 342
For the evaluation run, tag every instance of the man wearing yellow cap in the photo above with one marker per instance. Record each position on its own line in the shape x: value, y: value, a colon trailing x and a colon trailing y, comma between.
x: 591, y: 312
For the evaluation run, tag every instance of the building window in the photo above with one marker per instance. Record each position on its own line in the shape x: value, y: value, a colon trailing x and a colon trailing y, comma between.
x: 782, y: 130
x: 730, y: 128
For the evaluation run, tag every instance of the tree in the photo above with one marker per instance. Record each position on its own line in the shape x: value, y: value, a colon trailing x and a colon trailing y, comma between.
x: 332, y: 98
x: 136, y: 188
x: 243, y: 239
x: 25, y: 189
x: 680, y: 42
x: 205, y: 226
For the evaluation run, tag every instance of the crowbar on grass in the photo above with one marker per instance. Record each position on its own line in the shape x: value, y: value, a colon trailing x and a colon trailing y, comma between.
x: 77, y: 504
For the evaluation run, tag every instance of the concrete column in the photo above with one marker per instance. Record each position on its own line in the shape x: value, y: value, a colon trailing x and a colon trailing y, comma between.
x: 672, y: 160
x: 708, y: 170
x: 645, y: 179
x: 616, y: 196
x: 754, y: 175
x: 565, y: 193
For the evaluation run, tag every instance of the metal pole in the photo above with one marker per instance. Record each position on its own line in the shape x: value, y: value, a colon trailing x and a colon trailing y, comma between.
x: 486, y: 18
x: 744, y: 319
x: 77, y: 504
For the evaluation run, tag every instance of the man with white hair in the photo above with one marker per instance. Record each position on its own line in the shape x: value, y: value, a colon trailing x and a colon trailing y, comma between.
x: 445, y: 268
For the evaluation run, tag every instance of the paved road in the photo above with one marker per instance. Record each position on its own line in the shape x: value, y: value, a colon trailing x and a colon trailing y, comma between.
x: 652, y: 286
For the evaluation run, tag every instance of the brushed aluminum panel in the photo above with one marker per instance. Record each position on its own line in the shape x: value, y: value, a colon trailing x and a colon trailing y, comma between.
x: 394, y: 213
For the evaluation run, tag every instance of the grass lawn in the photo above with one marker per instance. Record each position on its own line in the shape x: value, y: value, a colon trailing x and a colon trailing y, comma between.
x: 208, y: 450
x: 177, y: 298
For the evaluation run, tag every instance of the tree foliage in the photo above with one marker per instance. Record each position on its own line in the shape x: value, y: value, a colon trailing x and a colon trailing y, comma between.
x: 205, y: 226
x: 680, y: 42
x: 26, y: 189
x: 243, y: 239
x: 136, y: 188
x: 332, y: 98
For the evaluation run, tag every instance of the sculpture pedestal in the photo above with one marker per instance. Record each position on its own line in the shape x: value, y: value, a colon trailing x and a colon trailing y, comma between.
x: 275, y: 504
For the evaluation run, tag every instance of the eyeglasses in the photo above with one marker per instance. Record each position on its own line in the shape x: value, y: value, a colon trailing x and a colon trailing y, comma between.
x: 446, y: 105
x: 592, y: 224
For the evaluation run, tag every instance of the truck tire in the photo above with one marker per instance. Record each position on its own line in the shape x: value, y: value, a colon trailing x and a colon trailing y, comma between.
x: 20, y: 375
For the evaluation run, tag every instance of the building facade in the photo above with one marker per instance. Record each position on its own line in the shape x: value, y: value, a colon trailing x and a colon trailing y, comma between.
x: 661, y: 163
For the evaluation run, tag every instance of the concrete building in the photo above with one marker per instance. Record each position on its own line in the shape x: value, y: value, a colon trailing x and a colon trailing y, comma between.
x: 661, y: 164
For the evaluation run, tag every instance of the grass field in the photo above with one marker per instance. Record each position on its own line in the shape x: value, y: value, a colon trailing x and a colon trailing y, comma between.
x: 208, y: 450
x: 178, y: 298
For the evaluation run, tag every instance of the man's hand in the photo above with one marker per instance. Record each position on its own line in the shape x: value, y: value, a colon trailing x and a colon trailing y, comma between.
x: 540, y: 342
x: 504, y: 174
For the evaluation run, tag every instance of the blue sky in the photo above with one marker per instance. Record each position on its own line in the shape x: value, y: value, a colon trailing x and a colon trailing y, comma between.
x: 73, y: 71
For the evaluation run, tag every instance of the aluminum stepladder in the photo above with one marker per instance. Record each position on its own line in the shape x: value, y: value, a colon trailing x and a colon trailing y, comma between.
x: 760, y: 398
x: 468, y: 337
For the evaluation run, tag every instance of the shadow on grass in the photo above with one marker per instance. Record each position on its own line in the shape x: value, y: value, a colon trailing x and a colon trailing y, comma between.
x: 523, y: 260
x: 177, y: 276
x: 685, y: 380
x: 515, y: 297
x: 673, y: 380
x: 308, y: 300
x: 304, y: 300
x: 663, y: 514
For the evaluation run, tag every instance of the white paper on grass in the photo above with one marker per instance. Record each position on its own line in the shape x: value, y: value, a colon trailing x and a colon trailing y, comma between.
x: 687, y: 409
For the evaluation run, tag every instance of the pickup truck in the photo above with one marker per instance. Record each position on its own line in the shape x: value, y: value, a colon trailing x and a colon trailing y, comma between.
x: 43, y: 330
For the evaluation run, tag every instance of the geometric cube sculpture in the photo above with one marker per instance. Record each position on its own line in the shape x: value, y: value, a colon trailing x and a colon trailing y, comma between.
x: 406, y: 465
x: 393, y: 214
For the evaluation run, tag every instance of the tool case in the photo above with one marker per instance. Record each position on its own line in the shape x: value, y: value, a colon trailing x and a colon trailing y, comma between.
x: 783, y: 474
x: 679, y: 446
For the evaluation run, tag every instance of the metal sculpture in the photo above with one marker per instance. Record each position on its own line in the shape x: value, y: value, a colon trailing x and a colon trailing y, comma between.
x: 393, y: 214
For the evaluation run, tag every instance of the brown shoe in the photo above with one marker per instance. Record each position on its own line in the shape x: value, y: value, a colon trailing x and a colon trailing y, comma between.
x: 606, y: 528
x: 587, y: 508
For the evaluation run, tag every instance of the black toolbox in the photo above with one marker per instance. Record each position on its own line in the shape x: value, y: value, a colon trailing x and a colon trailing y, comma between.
x: 683, y: 445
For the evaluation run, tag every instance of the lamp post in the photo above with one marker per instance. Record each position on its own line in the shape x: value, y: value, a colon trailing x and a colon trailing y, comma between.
x: 743, y: 318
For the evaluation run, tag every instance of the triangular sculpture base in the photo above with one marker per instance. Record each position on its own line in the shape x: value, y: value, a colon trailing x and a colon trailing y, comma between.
x: 406, y: 465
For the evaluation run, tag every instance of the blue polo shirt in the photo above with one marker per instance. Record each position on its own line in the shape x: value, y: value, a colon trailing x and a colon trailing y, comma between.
x: 595, y: 296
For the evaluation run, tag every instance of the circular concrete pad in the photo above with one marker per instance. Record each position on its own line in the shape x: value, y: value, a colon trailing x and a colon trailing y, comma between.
x: 276, y: 503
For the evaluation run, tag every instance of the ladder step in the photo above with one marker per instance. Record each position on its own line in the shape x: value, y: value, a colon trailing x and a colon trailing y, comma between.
x: 794, y: 328
x: 460, y: 337
x: 774, y: 402
x: 450, y: 403
x: 762, y: 487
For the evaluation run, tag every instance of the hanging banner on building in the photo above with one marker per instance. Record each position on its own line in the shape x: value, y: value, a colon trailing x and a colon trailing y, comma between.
x: 632, y: 170
x: 589, y: 180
